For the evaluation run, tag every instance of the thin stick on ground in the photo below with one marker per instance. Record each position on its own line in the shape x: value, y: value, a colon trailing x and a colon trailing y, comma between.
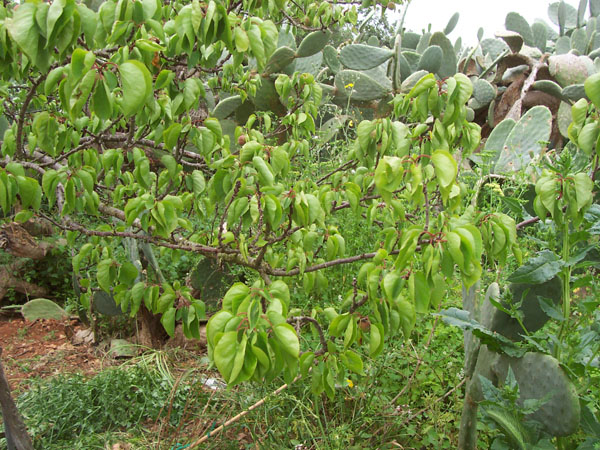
x: 240, y: 415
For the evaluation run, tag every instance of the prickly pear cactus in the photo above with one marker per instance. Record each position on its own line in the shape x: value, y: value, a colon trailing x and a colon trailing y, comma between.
x: 526, y: 140
x: 42, y: 308
x: 537, y: 375
x: 533, y: 316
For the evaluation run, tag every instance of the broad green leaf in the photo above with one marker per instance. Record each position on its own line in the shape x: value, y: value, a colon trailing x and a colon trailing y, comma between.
x: 102, y: 100
x: 224, y: 353
x: 592, y: 89
x: 105, y: 274
x: 235, y: 294
x: 137, y: 86
x: 545, y: 266
x: 288, y: 338
x: 29, y: 192
x: 216, y: 324
x: 127, y: 273
x: 23, y: 30
x: 242, y: 42
x: 583, y: 187
x: 171, y: 135
x: 445, y: 167
x: 168, y: 321
x: 353, y: 362
x: 376, y: 339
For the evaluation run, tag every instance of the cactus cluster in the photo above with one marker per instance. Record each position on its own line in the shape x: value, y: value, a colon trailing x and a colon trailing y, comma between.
x: 537, y: 374
x: 518, y: 69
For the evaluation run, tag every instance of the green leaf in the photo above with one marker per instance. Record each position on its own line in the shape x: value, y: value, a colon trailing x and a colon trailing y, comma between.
x: 583, y: 187
x: 224, y: 353
x: 127, y: 273
x: 445, y: 167
x: 168, y: 321
x: 235, y: 295
x: 376, y: 339
x: 306, y: 362
x: 216, y: 324
x: 495, y: 341
x: 23, y: 29
x: 545, y: 266
x: 105, y: 274
x: 242, y: 42
x: 149, y: 46
x: 29, y: 192
x: 137, y: 86
x: 353, y: 362
x: 102, y: 100
x: 288, y: 338
x: 171, y: 135
x: 163, y: 79
x: 592, y: 89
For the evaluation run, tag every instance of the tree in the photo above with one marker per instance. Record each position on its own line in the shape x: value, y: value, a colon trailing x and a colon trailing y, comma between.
x: 118, y: 135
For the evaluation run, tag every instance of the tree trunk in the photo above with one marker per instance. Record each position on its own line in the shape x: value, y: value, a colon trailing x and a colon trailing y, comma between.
x: 14, y: 427
x: 151, y: 332
x: 8, y: 280
x: 17, y: 241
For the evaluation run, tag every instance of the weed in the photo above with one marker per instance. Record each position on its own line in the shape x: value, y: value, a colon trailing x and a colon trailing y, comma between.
x: 22, y: 332
x: 50, y: 336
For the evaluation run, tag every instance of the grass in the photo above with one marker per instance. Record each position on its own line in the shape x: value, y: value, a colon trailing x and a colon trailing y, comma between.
x: 157, y: 401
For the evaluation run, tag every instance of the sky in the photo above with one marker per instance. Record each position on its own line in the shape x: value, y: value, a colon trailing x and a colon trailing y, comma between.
x: 473, y: 14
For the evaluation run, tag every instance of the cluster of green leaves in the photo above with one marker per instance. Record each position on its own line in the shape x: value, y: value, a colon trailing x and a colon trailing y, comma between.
x: 119, y: 134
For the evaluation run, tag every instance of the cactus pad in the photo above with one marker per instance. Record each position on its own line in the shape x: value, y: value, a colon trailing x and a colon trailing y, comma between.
x: 534, y: 317
x: 451, y: 23
x: 540, y: 35
x: 448, y: 66
x: 423, y: 43
x: 483, y: 94
x: 579, y: 40
x: 104, y: 303
x: 267, y: 98
x: 549, y: 87
x: 410, y: 40
x: 431, y: 59
x: 564, y: 118
x: 574, y: 92
x: 363, y: 57
x: 227, y: 106
x: 209, y: 281
x: 512, y: 39
x: 517, y: 23
x: 310, y: 64
x: 526, y: 140
x: 313, y: 43
x: 359, y: 86
x: 330, y: 56
x: 568, y: 69
x: 493, y: 47
x: 279, y: 59
x: 286, y: 39
x: 537, y: 375
x: 570, y: 15
x: 42, y: 308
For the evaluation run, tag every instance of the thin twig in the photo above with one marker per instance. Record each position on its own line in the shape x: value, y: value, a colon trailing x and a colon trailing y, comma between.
x: 240, y: 415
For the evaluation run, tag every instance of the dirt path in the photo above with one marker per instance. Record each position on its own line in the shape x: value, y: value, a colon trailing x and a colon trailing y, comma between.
x: 44, y: 348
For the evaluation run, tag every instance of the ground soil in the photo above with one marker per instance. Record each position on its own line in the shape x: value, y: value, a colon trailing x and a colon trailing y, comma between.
x: 44, y: 348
